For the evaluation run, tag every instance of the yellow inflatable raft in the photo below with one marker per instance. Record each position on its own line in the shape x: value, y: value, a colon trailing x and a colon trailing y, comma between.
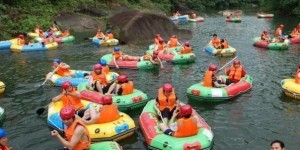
x: 2, y: 87
x: 291, y: 88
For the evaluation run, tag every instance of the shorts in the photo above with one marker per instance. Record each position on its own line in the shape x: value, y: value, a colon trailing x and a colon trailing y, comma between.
x: 227, y: 82
x: 166, y: 113
x: 104, y: 89
x: 80, y: 112
x: 169, y: 132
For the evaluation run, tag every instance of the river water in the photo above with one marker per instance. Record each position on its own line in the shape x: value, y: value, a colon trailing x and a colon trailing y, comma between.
x: 250, y: 121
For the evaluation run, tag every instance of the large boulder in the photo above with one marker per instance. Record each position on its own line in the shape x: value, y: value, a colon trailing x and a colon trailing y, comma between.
x: 136, y: 27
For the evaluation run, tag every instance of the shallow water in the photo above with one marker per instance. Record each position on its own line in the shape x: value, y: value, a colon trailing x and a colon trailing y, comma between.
x: 250, y: 121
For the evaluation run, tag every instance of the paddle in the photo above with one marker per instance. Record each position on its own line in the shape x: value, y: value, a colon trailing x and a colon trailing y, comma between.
x: 47, y: 78
x: 57, y: 26
x: 42, y: 109
x: 88, y: 38
x: 227, y: 64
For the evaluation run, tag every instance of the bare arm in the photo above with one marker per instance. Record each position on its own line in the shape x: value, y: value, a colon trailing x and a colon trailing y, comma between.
x: 78, y: 133
x: 76, y: 94
x: 57, y: 98
x: 115, y: 62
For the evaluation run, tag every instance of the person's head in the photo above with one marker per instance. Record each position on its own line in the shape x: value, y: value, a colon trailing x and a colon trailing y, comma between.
x: 21, y: 36
x: 281, y: 26
x: 122, y: 79
x: 56, y: 62
x: 107, y: 100
x: 67, y: 86
x: 157, y: 35
x: 167, y: 89
x: 161, y: 40
x: 277, y: 145
x: 265, y: 31
x: 222, y: 40
x: 187, y: 43
x: 108, y: 31
x: 67, y: 114
x: 215, y: 36
x: 37, y: 26
x: 185, y: 111
x: 236, y: 63
x: 3, y: 137
x: 98, y: 30
x: 102, y: 62
x: 41, y: 31
x: 173, y: 36
x: 98, y: 69
x: 155, y: 54
x: 213, y: 68
x: 117, y: 48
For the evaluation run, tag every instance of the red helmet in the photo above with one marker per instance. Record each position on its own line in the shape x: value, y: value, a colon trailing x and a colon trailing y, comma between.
x: 107, y: 100
x: 65, y: 85
x: 67, y: 112
x: 157, y: 35
x: 122, y: 78
x: 185, y: 110
x: 97, y: 66
x: 187, y: 43
x: 161, y: 40
x: 281, y: 26
x: 212, y: 67
x: 155, y: 53
x: 265, y: 31
x: 236, y: 62
x: 21, y: 36
x: 167, y: 87
x: 173, y: 36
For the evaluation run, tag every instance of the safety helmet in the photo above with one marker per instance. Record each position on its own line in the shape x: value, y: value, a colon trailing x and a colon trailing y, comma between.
x: 107, y: 100
x: 185, y: 110
x: 2, y: 133
x: 212, y: 67
x: 97, y: 66
x: 122, y: 78
x: 167, y: 87
x: 173, y: 36
x: 117, y: 48
x: 65, y: 85
x: 67, y: 112
x: 236, y: 62
x: 21, y: 36
x: 187, y: 43
x: 57, y: 60
x: 108, y: 31
x: 265, y: 31
x: 102, y: 62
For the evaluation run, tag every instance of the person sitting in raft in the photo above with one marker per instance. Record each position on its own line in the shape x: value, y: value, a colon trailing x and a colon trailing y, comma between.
x: 153, y: 58
x: 186, y: 125
x: 229, y: 16
x: 78, y: 137
x: 99, y: 82
x: 161, y: 46
x: 166, y: 102
x: 50, y: 38
x: 118, y: 55
x: 109, y: 35
x: 41, y: 34
x: 107, y: 112
x: 63, y: 70
x: 105, y: 67
x: 53, y: 28
x: 294, y: 33
x: 99, y: 35
x: 297, y: 75
x: 70, y: 97
x: 37, y: 29
x: 66, y: 33
x: 4, y: 140
x: 122, y: 86
x: 211, y: 79
x: 186, y: 48
x: 156, y: 39
x: 265, y: 36
x: 21, y: 40
x: 177, y: 13
x: 173, y: 42
x: 193, y: 15
x: 215, y: 41
x: 278, y: 32
x: 235, y: 73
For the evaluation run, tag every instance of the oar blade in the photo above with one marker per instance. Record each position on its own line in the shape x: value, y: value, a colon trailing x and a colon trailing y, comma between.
x: 40, y: 111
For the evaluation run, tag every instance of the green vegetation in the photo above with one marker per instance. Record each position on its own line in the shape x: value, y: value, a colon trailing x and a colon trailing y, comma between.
x: 21, y: 16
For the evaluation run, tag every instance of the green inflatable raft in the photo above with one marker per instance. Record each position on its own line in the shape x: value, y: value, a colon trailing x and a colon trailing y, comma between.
x: 156, y: 139
x: 125, y: 102
x: 2, y: 115
x: 176, y: 59
x: 272, y: 46
x: 109, y: 145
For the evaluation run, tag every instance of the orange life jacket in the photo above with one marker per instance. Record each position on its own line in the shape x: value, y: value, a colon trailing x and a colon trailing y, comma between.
x: 294, y: 32
x: 81, y: 145
x: 21, y: 41
x: 297, y: 77
x: 127, y: 88
x: 207, y: 82
x: 4, y: 147
x: 186, y: 127
x: 105, y: 69
x: 169, y: 102
x: 108, y: 113
x: 173, y: 42
x: 264, y: 36
x: 278, y: 32
x: 235, y: 73
x: 66, y: 33
x: 62, y: 71
x: 225, y: 44
x: 156, y: 41
x: 160, y: 47
x: 117, y: 55
x: 215, y: 41
x: 68, y: 100
x: 186, y: 50
x: 110, y: 36
x: 99, y: 77
x: 147, y: 57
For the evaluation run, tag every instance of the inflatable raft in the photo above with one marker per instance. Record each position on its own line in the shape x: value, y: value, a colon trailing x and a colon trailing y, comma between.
x: 156, y: 139
x: 7, y: 44
x: 143, y: 65
x: 2, y: 87
x: 295, y: 40
x: 125, y: 102
x: 198, y: 19
x: 108, y: 145
x: 115, y: 130
x: 109, y: 42
x: 291, y: 88
x: 272, y: 46
x: 234, y: 20
x: 211, y: 94
x: 33, y: 47
x: 176, y: 59
x: 57, y: 80
x: 230, y: 51
x: 2, y: 115
x: 66, y: 39
x: 265, y: 15
x: 177, y: 48
x: 33, y: 35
